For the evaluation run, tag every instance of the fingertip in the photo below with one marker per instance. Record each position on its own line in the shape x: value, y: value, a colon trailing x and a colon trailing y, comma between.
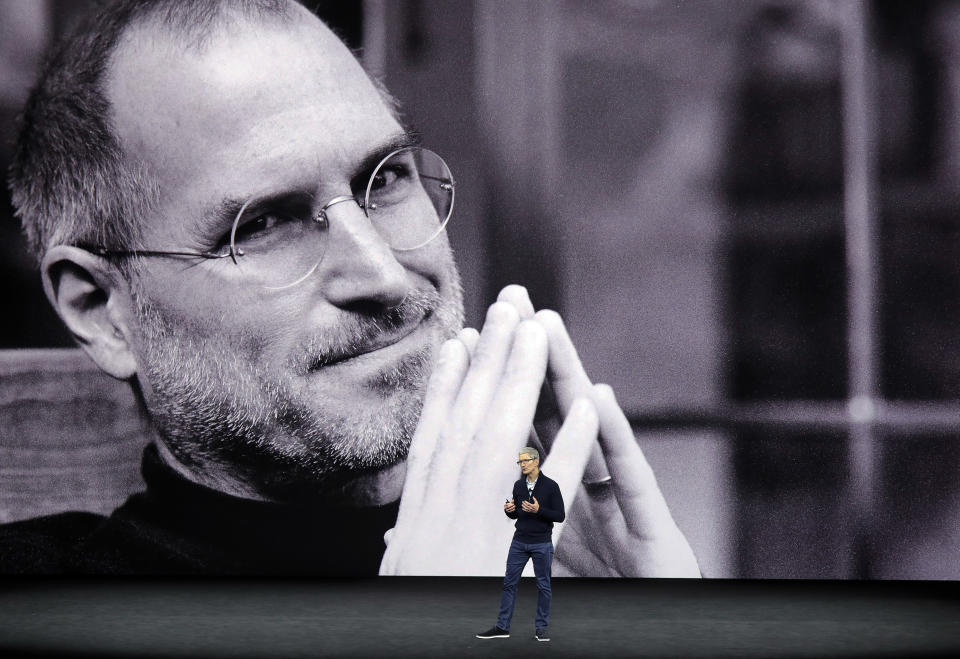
x: 469, y: 337
x: 560, y: 342
x: 550, y: 318
x: 452, y: 353
x: 604, y: 392
x: 449, y: 349
x: 531, y: 339
x: 519, y: 298
x: 501, y: 312
x: 513, y: 291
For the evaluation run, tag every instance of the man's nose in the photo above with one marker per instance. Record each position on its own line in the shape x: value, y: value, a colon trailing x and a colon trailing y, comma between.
x: 359, y: 265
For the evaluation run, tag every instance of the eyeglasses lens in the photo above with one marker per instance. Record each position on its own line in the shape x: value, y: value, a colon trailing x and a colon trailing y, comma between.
x: 408, y: 199
x: 278, y: 242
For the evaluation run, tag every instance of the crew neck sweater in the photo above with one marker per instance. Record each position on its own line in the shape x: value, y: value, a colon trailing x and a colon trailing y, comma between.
x: 532, y: 528
x: 179, y: 527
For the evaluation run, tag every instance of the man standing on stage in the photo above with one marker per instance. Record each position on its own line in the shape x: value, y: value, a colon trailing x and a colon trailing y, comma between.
x: 541, y: 504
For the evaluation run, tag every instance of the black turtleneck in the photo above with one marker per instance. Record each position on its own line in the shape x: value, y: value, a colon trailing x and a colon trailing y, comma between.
x: 178, y: 527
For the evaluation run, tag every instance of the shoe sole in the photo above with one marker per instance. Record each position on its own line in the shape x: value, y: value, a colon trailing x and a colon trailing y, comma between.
x: 542, y: 640
x: 497, y: 636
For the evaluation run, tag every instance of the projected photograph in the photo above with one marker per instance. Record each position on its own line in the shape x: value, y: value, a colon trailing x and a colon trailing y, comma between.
x: 627, y: 288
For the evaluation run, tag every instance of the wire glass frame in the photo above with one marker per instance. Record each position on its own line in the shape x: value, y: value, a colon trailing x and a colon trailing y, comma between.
x: 408, y: 198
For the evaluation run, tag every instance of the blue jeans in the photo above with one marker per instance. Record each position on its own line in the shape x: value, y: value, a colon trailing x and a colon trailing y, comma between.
x: 520, y: 552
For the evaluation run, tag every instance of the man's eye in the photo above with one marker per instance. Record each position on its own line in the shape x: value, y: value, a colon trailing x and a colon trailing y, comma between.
x: 394, y: 174
x: 261, y: 227
x: 385, y: 178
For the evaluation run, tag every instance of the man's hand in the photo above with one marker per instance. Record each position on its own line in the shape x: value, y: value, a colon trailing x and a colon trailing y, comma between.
x: 623, y: 527
x: 477, y: 414
x: 509, y: 506
x: 531, y: 507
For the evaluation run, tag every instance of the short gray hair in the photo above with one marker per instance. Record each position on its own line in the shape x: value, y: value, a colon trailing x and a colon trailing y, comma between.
x: 70, y: 180
x: 532, y: 452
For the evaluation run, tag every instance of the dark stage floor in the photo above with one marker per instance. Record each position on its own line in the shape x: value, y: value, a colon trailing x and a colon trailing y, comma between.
x: 435, y: 617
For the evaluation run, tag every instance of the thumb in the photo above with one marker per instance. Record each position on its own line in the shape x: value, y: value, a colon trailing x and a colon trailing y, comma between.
x: 535, y: 499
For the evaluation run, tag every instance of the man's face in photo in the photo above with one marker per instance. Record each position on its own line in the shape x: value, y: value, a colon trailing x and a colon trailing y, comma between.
x: 314, y: 389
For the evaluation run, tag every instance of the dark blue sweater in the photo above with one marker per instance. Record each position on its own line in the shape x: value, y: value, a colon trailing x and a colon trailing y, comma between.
x: 538, y: 526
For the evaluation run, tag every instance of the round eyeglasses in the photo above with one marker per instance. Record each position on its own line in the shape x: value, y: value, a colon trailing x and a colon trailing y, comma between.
x: 408, y: 199
x: 278, y: 243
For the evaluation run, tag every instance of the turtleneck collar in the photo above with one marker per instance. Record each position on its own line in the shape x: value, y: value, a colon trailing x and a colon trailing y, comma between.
x: 219, y: 533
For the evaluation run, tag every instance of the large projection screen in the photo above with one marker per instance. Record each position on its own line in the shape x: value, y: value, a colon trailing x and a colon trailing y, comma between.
x: 745, y: 213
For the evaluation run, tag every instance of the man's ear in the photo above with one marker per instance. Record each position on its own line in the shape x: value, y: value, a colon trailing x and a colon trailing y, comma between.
x: 94, y: 302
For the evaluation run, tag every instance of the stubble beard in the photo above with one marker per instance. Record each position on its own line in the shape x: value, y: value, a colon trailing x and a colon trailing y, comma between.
x: 226, y: 419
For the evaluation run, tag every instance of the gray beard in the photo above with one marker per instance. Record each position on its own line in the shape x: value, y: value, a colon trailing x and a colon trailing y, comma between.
x: 225, y: 419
